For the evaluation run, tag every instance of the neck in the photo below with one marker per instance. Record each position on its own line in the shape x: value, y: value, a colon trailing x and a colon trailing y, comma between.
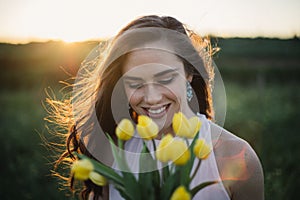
x: 165, y: 131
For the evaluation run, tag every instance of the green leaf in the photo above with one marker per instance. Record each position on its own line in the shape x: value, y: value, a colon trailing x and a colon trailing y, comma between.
x: 122, y: 191
x: 130, y: 182
x: 187, y: 168
x: 104, y: 170
x: 165, y: 173
x: 181, y: 175
x: 193, y: 144
x: 170, y: 184
x: 146, y: 187
x: 146, y: 162
x: 131, y: 186
x: 120, y: 159
x: 201, y: 186
x: 149, y: 182
x: 185, y: 176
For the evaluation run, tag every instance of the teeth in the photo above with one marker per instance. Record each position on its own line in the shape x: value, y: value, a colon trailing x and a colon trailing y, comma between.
x: 157, y: 111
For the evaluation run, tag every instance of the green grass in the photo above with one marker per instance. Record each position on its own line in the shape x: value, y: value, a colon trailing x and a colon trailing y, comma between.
x: 24, y: 161
x: 268, y: 119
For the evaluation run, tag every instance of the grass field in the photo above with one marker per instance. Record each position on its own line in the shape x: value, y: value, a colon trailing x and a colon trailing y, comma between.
x: 261, y: 78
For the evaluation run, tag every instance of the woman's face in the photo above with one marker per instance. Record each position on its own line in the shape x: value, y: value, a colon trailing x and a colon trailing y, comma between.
x: 155, y: 84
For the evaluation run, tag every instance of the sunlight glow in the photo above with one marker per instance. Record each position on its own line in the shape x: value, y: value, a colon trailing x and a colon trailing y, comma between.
x: 77, y: 20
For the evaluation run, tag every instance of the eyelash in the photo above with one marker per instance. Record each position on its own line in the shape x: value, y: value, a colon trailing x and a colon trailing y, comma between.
x: 135, y: 85
x: 167, y: 80
x: 163, y: 82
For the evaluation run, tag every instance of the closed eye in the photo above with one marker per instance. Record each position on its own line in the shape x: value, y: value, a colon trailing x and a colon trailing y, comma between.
x: 134, y: 85
x: 167, y: 80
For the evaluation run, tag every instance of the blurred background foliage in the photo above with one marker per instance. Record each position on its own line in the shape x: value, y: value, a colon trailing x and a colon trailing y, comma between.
x: 261, y: 78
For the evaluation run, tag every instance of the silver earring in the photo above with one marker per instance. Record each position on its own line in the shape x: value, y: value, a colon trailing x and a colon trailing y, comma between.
x: 189, y: 91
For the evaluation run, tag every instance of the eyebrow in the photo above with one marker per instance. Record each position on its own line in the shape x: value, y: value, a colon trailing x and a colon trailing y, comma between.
x: 132, y: 78
x: 155, y: 75
x: 165, y: 72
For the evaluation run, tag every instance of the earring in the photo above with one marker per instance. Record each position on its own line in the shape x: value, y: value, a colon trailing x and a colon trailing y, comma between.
x: 189, y: 91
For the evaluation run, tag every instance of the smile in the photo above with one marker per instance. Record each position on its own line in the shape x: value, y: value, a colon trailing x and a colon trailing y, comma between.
x: 157, y: 111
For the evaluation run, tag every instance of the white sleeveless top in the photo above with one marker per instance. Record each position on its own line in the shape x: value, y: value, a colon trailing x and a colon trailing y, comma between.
x: 208, y: 170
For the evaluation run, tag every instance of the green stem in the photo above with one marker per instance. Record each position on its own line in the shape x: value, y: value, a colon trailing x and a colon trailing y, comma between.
x: 120, y: 144
x: 154, y: 147
x: 165, y: 172
x: 201, y: 186
x: 172, y: 168
x: 197, y: 168
x: 187, y: 141
x: 122, y: 157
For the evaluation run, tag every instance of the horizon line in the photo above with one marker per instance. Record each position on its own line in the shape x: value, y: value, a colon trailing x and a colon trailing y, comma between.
x: 46, y: 40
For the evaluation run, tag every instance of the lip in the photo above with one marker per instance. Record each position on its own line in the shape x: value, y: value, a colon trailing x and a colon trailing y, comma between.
x: 156, y: 111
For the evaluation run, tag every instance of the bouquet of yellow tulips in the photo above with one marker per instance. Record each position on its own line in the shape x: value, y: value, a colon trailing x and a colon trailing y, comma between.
x: 178, y: 156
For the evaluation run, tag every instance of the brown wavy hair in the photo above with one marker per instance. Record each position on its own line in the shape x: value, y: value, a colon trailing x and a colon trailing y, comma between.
x: 98, y: 84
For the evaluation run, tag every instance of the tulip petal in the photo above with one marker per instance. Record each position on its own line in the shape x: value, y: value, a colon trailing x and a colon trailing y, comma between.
x: 163, y: 152
x: 125, y: 130
x: 146, y: 127
x: 202, y: 149
x: 81, y: 169
x: 97, y: 178
x: 181, y: 125
x: 179, y: 152
x: 180, y: 194
x: 195, y: 125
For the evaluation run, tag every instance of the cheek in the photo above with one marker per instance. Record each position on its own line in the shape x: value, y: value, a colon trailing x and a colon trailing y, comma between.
x: 172, y: 94
x: 176, y: 92
x: 134, y: 96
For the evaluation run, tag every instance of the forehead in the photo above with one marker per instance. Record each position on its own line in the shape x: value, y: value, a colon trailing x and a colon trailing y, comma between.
x: 150, y: 61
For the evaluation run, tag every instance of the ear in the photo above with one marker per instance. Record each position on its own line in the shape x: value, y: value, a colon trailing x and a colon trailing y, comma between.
x: 189, y: 77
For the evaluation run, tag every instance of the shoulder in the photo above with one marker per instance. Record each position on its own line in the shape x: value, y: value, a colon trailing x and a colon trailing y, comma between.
x: 238, y: 164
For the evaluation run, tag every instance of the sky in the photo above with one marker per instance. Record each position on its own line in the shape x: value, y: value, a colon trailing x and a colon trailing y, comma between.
x: 23, y: 21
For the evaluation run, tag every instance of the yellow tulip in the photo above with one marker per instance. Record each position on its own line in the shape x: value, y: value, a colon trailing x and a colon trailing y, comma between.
x: 183, y: 157
x: 195, y: 125
x: 184, y: 127
x: 180, y: 152
x: 180, y: 124
x: 180, y: 194
x: 202, y: 149
x: 172, y: 150
x: 81, y: 169
x: 163, y: 152
x: 146, y: 127
x: 97, y: 179
x: 125, y: 129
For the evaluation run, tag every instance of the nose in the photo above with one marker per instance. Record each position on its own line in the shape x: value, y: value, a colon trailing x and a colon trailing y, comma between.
x: 152, y: 94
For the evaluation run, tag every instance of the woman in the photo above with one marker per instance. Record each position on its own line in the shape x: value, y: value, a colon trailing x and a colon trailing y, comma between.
x: 155, y: 66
